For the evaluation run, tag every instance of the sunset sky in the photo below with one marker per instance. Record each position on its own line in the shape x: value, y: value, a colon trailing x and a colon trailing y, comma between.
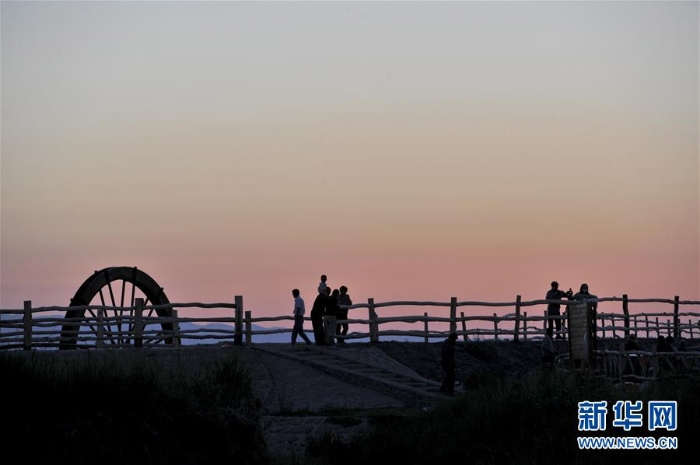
x: 408, y: 150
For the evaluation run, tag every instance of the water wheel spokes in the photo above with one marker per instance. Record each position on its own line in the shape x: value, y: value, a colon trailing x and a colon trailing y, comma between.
x: 117, y: 328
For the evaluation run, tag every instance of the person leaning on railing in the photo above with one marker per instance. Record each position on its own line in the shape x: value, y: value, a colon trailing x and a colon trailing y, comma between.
x: 553, y: 309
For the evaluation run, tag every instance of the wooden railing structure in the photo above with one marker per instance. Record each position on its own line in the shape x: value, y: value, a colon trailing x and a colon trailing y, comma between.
x: 115, y: 327
x: 641, y: 365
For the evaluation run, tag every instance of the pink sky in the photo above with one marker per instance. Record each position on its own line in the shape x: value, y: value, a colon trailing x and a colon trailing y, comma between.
x: 410, y: 151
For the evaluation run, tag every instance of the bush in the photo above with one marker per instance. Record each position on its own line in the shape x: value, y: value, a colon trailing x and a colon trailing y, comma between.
x: 124, y: 408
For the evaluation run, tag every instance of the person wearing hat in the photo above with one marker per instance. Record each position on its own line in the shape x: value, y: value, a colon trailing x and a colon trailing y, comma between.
x: 554, y: 309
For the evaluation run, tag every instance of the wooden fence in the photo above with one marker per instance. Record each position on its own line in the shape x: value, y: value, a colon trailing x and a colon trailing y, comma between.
x: 139, y: 326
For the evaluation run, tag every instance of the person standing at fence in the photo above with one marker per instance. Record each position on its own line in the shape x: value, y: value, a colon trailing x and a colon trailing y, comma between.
x: 298, y: 311
x: 585, y: 296
x: 554, y: 309
x: 448, y: 364
x: 592, y: 304
x: 329, y: 319
x: 317, y: 311
x: 343, y: 299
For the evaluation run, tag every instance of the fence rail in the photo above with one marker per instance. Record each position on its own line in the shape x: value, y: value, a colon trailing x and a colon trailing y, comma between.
x: 139, y: 326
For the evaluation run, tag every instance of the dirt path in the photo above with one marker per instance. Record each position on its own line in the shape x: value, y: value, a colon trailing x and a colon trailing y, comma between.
x: 300, y: 387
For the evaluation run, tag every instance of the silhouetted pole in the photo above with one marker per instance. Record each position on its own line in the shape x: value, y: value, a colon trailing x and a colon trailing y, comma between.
x: 453, y: 315
x: 425, y: 326
x: 27, y: 321
x: 248, y: 328
x: 464, y: 327
x: 176, y: 328
x: 517, y: 318
x: 138, y: 323
x: 100, y: 328
x: 373, y: 326
x: 625, y: 310
x: 238, y: 332
x: 676, y: 326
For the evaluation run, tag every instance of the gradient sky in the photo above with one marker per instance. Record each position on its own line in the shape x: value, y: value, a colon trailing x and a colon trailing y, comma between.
x: 407, y: 150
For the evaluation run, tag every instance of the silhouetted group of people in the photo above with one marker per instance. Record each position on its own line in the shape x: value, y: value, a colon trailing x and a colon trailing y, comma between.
x: 326, y: 311
x: 669, y: 344
x: 553, y: 309
x: 548, y: 348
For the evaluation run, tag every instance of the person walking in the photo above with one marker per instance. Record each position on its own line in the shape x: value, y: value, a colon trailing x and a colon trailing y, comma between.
x: 329, y: 319
x: 554, y: 309
x: 343, y: 299
x: 317, y: 311
x: 448, y: 364
x: 298, y: 311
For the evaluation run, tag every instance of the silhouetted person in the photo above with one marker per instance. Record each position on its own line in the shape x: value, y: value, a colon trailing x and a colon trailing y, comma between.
x: 662, y: 345
x: 631, y: 343
x: 554, y: 309
x: 317, y: 311
x: 323, y: 286
x: 549, y: 352
x: 592, y: 305
x: 329, y: 319
x: 343, y: 299
x: 635, y: 361
x: 682, y: 345
x: 448, y: 364
x: 671, y: 343
x: 584, y: 296
x: 298, y: 318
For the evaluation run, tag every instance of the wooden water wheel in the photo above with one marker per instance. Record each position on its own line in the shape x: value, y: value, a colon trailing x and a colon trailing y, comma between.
x: 117, y: 287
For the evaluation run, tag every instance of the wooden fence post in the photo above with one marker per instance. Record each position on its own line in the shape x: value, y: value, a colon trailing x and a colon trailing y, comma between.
x: 495, y: 326
x: 626, y: 312
x: 613, y: 328
x: 464, y: 328
x: 676, y: 322
x: 453, y: 315
x: 563, y: 325
x: 544, y: 322
x: 646, y: 323
x: 524, y: 326
x: 602, y: 325
x: 658, y: 328
x: 517, y: 319
x: 373, y: 326
x: 425, y: 326
x: 138, y: 323
x: 238, y: 330
x: 100, y: 328
x: 690, y: 329
x: 176, y: 328
x: 27, y: 322
x: 248, y: 328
